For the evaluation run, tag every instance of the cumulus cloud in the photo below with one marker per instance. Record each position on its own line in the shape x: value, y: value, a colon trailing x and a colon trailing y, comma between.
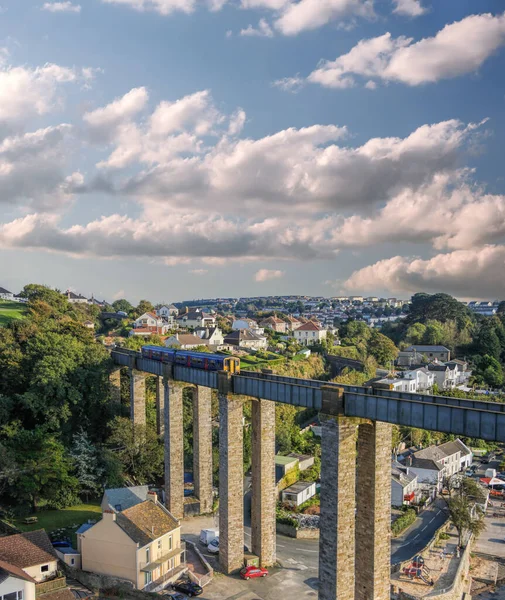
x: 268, y: 274
x: 167, y: 7
x: 60, y: 7
x: 409, y: 8
x: 263, y: 30
x: 457, y: 49
x: 462, y: 273
x: 32, y: 169
x: 25, y: 92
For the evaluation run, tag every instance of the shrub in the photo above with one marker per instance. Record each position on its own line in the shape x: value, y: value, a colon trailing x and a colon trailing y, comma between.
x: 404, y: 521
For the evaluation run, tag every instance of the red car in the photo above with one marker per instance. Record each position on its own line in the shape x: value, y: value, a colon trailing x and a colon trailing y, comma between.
x: 248, y: 572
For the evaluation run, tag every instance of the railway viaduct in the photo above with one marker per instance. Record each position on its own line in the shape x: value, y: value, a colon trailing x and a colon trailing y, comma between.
x: 354, y: 556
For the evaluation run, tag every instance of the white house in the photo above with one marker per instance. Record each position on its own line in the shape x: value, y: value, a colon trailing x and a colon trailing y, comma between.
x: 166, y: 315
x: 196, y: 318
x: 210, y: 336
x: 76, y: 298
x: 423, y: 377
x: 309, y: 333
x: 249, y: 324
x: 149, y: 323
x: 5, y: 294
x: 398, y: 384
x: 183, y: 341
x: 446, y: 374
x: 298, y: 493
x: 403, y: 484
x: 427, y: 471
x: 243, y: 338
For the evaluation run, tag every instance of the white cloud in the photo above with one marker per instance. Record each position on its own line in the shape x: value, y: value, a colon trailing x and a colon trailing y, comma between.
x: 26, y: 92
x: 409, y: 8
x: 263, y: 30
x: 237, y: 122
x: 463, y: 273
x: 268, y: 274
x: 290, y: 84
x: 60, y: 7
x: 459, y: 48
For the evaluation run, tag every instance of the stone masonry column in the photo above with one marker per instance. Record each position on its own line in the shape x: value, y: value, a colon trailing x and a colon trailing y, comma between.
x: 202, y: 447
x: 338, y: 501
x: 373, y: 518
x: 160, y: 406
x: 263, y: 481
x: 115, y: 387
x: 231, y: 478
x: 137, y: 397
x: 174, y: 449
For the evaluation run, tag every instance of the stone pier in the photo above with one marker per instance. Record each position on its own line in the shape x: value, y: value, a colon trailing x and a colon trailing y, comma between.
x: 202, y: 447
x: 160, y: 406
x: 373, y: 519
x: 263, y: 481
x: 137, y: 397
x: 174, y: 449
x: 231, y: 478
x: 338, y: 501
x: 115, y: 387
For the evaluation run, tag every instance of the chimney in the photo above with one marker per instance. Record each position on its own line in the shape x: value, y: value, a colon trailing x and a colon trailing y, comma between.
x: 108, y: 515
x: 152, y: 496
x: 409, y: 460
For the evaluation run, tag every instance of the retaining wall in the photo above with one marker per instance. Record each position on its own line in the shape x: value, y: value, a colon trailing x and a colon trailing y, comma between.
x: 300, y: 534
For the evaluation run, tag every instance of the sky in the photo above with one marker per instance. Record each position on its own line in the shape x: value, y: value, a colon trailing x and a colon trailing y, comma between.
x: 178, y: 149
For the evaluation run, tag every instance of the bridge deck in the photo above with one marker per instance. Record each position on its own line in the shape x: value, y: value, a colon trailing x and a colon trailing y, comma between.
x: 470, y: 418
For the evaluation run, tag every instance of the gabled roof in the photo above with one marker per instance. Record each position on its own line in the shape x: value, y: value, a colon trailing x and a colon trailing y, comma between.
x: 309, y: 326
x: 126, y: 497
x: 426, y: 463
x: 146, y: 522
x: 432, y: 453
x: 451, y: 448
x: 399, y: 473
x: 4, y: 291
x: 27, y: 549
x: 74, y: 296
x: 242, y: 335
x: 9, y: 570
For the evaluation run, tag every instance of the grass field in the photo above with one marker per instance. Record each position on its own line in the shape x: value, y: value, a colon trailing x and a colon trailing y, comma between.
x: 66, y: 518
x: 10, y: 311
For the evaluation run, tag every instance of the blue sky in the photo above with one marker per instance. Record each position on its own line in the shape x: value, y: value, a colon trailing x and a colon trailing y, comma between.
x: 155, y: 148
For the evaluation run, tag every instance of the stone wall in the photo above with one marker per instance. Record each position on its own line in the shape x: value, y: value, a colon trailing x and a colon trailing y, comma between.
x: 301, y: 534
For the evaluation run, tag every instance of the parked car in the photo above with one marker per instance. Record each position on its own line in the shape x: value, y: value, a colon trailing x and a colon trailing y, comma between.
x: 248, y: 572
x: 213, y: 547
x: 174, y: 596
x: 207, y: 535
x: 187, y: 587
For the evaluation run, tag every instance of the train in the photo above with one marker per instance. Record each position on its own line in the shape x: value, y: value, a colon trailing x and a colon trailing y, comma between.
x: 196, y: 360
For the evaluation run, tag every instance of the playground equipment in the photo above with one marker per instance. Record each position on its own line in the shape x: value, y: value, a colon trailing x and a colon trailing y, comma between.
x: 418, y: 570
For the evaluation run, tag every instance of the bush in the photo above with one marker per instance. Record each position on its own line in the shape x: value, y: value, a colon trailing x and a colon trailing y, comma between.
x: 408, y: 517
x: 285, y: 518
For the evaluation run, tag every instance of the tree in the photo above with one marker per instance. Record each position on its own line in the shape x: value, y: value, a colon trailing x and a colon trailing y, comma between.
x: 488, y: 370
x: 415, y: 333
x: 434, y: 333
x: 34, y: 292
x: 43, y: 469
x: 87, y: 468
x: 464, y: 503
x: 438, y: 307
x: 122, y: 305
x: 381, y: 348
x: 501, y: 308
x: 138, y: 449
x: 143, y: 307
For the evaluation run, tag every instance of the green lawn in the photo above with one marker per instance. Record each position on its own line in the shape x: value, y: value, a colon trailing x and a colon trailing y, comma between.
x: 66, y: 519
x: 10, y: 311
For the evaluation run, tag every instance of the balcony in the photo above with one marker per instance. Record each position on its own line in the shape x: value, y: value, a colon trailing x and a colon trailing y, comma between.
x: 154, y: 564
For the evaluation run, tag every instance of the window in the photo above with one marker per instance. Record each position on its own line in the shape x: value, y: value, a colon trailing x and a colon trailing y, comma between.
x: 44, y: 568
x: 11, y: 596
x: 170, y: 543
x: 148, y: 555
x: 159, y: 544
x: 72, y: 561
x: 20, y: 595
x: 148, y: 577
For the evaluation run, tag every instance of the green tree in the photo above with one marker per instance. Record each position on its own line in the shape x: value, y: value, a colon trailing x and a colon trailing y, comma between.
x: 488, y: 370
x: 87, y: 465
x: 143, y: 307
x: 415, y: 333
x: 138, y: 449
x: 381, y: 348
x: 438, y: 307
x: 434, y: 333
x: 122, y: 305
x: 41, y: 293
x: 464, y: 503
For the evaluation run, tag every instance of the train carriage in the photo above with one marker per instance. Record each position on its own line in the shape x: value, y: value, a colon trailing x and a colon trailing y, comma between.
x: 196, y: 360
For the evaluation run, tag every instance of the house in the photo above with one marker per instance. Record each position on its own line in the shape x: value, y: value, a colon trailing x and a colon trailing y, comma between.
x: 149, y: 321
x: 298, y: 493
x: 460, y: 367
x: 398, y: 384
x: 460, y: 457
x: 183, y: 341
x: 423, y: 377
x: 427, y: 470
x: 29, y: 568
x: 75, y: 298
x: 274, y: 323
x: 292, y: 323
x: 445, y: 376
x: 441, y: 353
x: 167, y: 315
x: 243, y: 338
x: 309, y: 333
x: 89, y: 324
x: 5, y: 294
x: 196, y: 318
x: 141, y: 544
x: 210, y: 336
x: 408, y: 359
x: 305, y: 461
x: 249, y: 324
x: 466, y: 454
x: 403, y: 484
x: 119, y: 499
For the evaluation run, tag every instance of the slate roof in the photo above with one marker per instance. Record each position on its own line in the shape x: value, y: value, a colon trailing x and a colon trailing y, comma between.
x: 426, y: 463
x: 422, y: 348
x: 299, y: 486
x: 4, y: 291
x: 126, y: 497
x: 454, y: 447
x: 399, y: 474
x: 27, y: 549
x: 432, y: 453
x: 8, y: 570
x: 146, y: 522
x: 188, y: 339
x: 241, y: 335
